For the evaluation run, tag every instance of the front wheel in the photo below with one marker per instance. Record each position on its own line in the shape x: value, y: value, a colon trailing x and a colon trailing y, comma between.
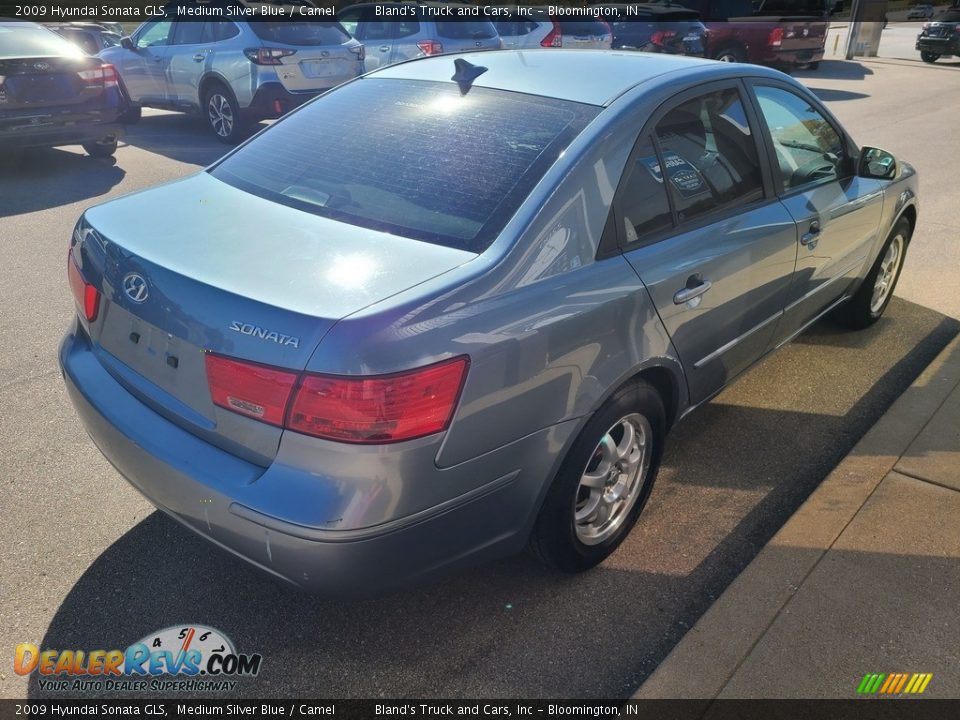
x: 603, y: 483
x: 929, y: 57
x: 868, y: 304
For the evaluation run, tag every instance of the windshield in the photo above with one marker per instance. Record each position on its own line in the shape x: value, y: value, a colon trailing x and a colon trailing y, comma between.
x: 412, y: 158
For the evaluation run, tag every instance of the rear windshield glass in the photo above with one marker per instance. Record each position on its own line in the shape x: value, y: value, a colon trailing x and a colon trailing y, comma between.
x: 413, y: 158
x: 26, y: 41
x: 583, y: 27
x: 466, y: 30
x: 300, y: 32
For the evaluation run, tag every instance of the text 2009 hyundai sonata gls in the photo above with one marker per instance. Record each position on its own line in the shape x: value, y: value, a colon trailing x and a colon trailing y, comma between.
x: 425, y: 321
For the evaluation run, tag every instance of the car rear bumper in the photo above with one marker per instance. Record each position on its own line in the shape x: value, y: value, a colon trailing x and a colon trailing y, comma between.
x: 202, y: 486
x: 54, y: 135
x: 272, y: 100
x: 940, y: 46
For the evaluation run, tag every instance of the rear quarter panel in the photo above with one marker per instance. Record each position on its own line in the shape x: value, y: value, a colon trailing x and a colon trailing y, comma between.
x: 550, y: 331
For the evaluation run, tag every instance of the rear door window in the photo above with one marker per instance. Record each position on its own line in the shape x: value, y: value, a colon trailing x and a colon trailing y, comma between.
x: 709, y: 155
x: 412, y: 158
x: 644, y: 206
x: 188, y: 33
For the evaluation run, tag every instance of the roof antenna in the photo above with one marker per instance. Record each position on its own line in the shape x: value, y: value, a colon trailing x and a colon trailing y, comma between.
x: 466, y: 73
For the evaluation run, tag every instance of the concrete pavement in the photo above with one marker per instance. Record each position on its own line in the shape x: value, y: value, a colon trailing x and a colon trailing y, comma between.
x: 862, y: 579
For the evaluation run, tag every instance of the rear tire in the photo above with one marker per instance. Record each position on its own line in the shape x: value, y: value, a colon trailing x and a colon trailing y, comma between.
x: 730, y: 54
x: 869, y: 302
x: 222, y: 113
x: 929, y: 57
x: 603, y: 483
x: 102, y: 149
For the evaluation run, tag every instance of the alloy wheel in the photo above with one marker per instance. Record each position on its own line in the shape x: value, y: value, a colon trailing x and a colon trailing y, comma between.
x: 221, y: 114
x: 887, y: 273
x: 613, y: 479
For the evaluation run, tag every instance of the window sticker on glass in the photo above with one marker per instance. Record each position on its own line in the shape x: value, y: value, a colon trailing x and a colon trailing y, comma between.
x: 653, y: 166
x: 683, y: 176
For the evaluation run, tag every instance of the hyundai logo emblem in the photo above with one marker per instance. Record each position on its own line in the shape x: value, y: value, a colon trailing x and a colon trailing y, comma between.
x: 135, y: 287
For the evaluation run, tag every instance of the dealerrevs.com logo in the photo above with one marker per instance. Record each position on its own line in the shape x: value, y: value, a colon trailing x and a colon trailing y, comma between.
x: 201, y: 658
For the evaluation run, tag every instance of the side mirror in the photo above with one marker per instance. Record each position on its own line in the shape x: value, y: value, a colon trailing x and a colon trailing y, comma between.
x: 127, y: 43
x: 876, y: 163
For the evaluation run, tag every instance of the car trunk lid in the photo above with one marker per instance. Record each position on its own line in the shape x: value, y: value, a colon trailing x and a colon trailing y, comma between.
x: 229, y: 273
x: 47, y: 82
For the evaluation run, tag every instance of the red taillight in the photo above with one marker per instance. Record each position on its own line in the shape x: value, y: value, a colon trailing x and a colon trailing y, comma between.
x: 776, y: 37
x: 554, y: 38
x: 267, y: 55
x: 256, y: 391
x: 103, y: 76
x: 660, y: 37
x: 86, y: 295
x: 370, y: 410
x: 430, y: 47
x: 382, y: 409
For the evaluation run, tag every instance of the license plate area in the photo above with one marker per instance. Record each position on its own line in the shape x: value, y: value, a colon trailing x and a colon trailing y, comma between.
x: 319, y: 68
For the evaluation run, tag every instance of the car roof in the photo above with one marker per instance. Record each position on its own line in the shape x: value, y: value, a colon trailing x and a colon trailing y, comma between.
x: 595, y: 77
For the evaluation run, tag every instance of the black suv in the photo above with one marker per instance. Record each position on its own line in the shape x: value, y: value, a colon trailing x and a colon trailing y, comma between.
x: 941, y: 38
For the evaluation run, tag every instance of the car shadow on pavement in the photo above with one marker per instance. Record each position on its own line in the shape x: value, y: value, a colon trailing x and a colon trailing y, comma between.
x: 830, y: 95
x: 41, y: 178
x: 179, y: 136
x: 733, y: 473
x: 836, y: 70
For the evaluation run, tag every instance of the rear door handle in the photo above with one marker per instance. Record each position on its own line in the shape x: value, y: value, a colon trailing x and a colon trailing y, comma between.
x: 812, y: 236
x: 696, y: 286
x: 199, y: 57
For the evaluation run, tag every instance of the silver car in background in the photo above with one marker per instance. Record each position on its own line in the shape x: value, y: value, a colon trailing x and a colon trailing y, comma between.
x: 234, y: 73
x: 396, y: 31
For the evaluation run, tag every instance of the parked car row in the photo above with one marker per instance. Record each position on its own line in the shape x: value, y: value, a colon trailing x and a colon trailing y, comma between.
x: 236, y: 72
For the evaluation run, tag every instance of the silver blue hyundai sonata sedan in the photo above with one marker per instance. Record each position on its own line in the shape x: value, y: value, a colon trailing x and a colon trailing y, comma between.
x: 452, y: 308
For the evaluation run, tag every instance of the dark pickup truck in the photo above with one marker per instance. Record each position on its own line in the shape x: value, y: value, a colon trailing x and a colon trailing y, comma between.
x: 781, y: 33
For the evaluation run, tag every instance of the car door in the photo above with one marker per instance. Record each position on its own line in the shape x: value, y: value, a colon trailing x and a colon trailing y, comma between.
x: 144, y: 69
x: 698, y: 221
x: 188, y: 56
x: 837, y: 213
x: 376, y: 33
x: 409, y: 36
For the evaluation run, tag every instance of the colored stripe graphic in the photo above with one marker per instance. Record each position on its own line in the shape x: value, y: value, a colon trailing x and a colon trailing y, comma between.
x: 894, y: 683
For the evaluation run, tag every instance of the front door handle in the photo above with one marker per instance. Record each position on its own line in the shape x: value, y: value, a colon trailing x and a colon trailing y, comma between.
x: 384, y: 48
x: 812, y: 236
x: 696, y: 286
